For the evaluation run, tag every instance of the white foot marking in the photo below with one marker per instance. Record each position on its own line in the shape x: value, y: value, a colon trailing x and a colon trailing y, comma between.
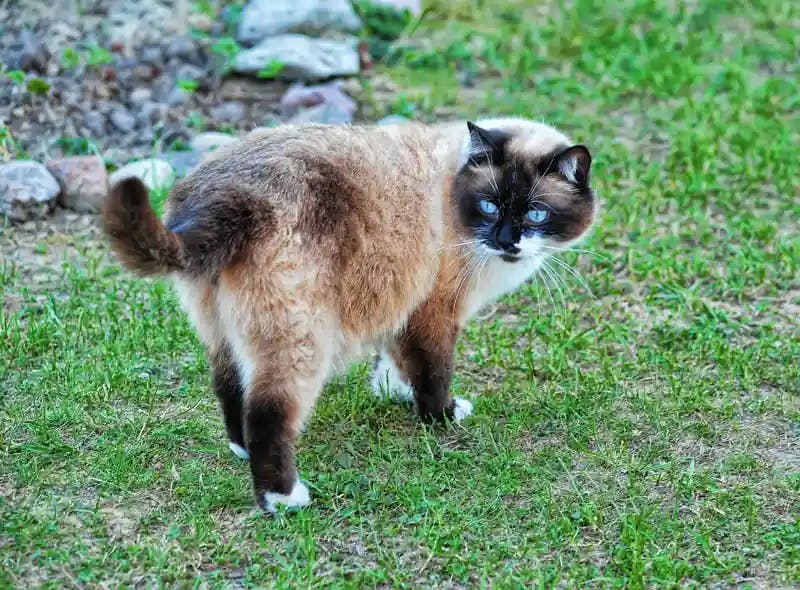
x: 238, y: 451
x: 298, y: 497
x: 388, y: 383
x: 462, y: 410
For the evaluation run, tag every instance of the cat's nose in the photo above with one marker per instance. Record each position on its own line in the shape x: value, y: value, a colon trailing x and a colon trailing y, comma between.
x: 507, y: 240
x: 508, y: 247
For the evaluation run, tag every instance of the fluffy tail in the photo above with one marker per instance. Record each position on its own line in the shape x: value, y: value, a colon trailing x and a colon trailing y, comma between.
x: 136, y: 233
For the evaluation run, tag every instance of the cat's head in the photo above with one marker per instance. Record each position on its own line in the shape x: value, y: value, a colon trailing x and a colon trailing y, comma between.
x: 522, y: 189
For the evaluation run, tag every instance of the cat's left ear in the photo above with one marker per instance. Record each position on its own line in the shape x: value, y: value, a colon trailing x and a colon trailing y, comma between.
x: 574, y: 164
x: 486, y: 145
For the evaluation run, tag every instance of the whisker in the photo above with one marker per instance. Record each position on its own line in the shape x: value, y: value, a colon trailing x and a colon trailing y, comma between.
x: 538, y: 294
x: 462, y: 279
x: 541, y: 177
x: 459, y: 245
x: 549, y: 294
x: 574, y: 273
x: 590, y: 252
x: 548, y: 270
x: 491, y: 182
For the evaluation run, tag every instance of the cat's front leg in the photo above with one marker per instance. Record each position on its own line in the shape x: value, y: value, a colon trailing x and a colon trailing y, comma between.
x: 425, y: 352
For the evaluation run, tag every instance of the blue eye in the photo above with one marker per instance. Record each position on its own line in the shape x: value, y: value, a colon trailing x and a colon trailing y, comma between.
x: 538, y: 215
x: 488, y: 208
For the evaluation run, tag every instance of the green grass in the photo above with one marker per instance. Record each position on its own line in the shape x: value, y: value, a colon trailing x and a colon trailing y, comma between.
x: 647, y: 436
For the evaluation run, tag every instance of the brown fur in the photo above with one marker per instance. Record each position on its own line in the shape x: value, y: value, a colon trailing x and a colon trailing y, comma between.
x: 294, y: 249
x: 137, y: 234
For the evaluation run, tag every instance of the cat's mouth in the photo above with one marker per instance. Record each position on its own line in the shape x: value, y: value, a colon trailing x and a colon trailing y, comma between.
x: 506, y: 257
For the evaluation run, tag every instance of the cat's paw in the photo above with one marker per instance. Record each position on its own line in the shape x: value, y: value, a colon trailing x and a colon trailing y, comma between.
x: 461, y: 409
x: 296, y: 498
x: 238, y: 450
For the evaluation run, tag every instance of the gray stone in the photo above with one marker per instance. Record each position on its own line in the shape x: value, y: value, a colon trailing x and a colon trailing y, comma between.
x: 152, y: 112
x: 303, y: 58
x: 177, y: 96
x: 151, y: 55
x: 29, y: 53
x: 106, y: 106
x: 211, y: 140
x: 322, y: 113
x: 27, y: 190
x: 123, y: 120
x: 393, y: 120
x: 300, y: 95
x: 139, y: 96
x: 154, y: 172
x: 266, y: 18
x: 229, y: 112
x: 190, y: 72
x: 182, y: 163
x: 83, y: 181
x: 95, y: 122
x: 183, y: 49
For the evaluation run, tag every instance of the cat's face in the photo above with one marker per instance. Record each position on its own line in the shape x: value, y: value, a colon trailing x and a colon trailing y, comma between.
x: 523, y: 191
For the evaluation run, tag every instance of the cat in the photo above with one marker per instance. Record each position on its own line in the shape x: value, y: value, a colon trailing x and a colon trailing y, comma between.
x: 297, y: 249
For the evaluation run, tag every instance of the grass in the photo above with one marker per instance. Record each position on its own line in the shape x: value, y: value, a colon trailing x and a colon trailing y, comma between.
x: 648, y: 436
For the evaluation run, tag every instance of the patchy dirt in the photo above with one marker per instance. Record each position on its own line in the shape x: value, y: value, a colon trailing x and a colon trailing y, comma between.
x: 122, y: 78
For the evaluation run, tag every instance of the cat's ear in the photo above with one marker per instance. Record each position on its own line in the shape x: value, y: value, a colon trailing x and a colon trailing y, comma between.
x: 486, y: 145
x: 574, y: 164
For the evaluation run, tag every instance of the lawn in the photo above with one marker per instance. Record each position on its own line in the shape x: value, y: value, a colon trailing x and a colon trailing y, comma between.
x: 636, y: 427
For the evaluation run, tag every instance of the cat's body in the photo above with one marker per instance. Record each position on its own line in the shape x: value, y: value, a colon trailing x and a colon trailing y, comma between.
x: 297, y: 250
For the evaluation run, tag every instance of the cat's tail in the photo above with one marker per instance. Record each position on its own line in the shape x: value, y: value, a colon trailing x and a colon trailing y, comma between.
x: 213, y: 226
x: 137, y: 235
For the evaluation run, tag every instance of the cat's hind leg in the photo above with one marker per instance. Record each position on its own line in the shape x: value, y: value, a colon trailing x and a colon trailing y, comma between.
x: 284, y: 352
x: 198, y: 298
x: 389, y: 380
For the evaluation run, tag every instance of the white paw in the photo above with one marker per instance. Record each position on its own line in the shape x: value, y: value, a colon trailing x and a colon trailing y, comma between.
x: 387, y: 381
x: 240, y: 452
x: 462, y: 409
x: 298, y: 497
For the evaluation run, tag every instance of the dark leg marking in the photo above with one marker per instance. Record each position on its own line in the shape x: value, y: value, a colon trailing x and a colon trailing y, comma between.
x: 270, y: 440
x: 228, y: 387
x: 428, y: 362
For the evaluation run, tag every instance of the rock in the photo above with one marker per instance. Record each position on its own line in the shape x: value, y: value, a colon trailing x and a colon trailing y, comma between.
x: 177, y: 96
x: 182, y: 162
x: 201, y: 22
x: 211, y: 140
x: 155, y: 173
x: 151, y: 55
x: 29, y: 53
x: 27, y: 190
x: 302, y: 57
x: 322, y: 113
x: 139, y: 96
x: 182, y: 48
x: 95, y: 122
x: 300, y: 95
x: 266, y: 18
x: 190, y: 72
x: 152, y: 112
x: 123, y: 120
x: 393, y: 120
x: 229, y: 112
x: 106, y: 106
x: 83, y: 181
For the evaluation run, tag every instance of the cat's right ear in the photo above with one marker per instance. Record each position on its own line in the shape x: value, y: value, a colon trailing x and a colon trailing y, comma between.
x: 486, y: 145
